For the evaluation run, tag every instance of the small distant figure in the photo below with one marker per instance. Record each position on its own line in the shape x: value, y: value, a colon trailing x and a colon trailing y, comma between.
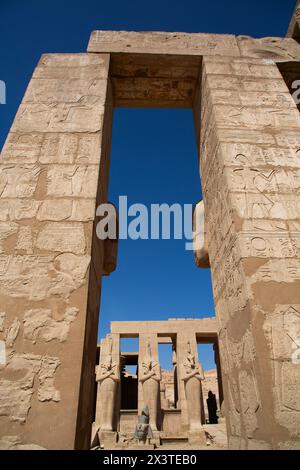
x: 212, y: 408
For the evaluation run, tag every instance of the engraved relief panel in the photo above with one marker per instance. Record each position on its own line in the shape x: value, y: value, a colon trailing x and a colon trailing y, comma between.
x: 282, y: 329
x: 38, y: 277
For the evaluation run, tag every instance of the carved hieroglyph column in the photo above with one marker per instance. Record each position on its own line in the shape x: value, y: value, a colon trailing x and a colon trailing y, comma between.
x: 149, y: 377
x: 54, y: 169
x: 250, y: 169
x: 108, y: 378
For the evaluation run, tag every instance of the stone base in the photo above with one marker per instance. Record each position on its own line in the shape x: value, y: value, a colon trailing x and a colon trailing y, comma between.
x: 142, y: 447
x: 156, y: 438
x: 197, y: 437
x: 108, y: 439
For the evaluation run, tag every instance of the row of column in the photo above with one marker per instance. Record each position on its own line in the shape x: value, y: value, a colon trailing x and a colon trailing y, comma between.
x: 108, y: 377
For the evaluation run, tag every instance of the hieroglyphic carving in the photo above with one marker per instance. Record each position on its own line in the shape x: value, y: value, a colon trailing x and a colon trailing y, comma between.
x: 62, y: 148
x: 282, y: 329
x: 39, y: 324
x: 16, y: 395
x: 38, y: 277
x: 12, y: 332
x: 18, y: 181
x: 161, y: 42
x: 72, y: 180
x: 62, y: 237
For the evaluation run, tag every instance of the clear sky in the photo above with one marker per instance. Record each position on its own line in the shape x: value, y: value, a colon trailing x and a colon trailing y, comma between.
x: 154, y: 156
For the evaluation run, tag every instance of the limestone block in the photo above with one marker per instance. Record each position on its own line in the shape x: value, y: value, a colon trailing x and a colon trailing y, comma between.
x: 21, y: 148
x: 264, y: 180
x: 38, y: 277
x: 2, y: 320
x: 278, y: 270
x: 15, y: 443
x: 67, y: 209
x: 84, y: 115
x: 39, y: 324
x: 70, y: 66
x: 18, y: 182
x: 16, y: 395
x: 253, y: 98
x: 6, y: 230
x: 25, y: 240
x: 70, y: 148
x: 65, y: 91
x: 252, y: 156
x: 275, y: 48
x: 241, y: 71
x: 266, y: 206
x: 163, y: 43
x: 12, y: 332
x: 282, y: 329
x: 46, y: 390
x: 233, y: 82
x: 250, y: 402
x: 18, y: 209
x: 196, y: 438
x: 72, y: 180
x: 62, y: 237
x: 255, y: 118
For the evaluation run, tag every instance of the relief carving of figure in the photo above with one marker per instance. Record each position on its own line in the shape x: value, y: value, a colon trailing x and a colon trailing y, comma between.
x: 150, y: 379
x: 192, y: 375
x: 108, y: 378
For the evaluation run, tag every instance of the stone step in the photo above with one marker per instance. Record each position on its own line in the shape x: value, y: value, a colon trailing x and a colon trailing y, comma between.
x: 173, y: 439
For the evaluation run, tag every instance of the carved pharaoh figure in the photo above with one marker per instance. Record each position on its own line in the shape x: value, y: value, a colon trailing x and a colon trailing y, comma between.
x: 192, y: 375
x: 150, y: 379
x: 108, y: 378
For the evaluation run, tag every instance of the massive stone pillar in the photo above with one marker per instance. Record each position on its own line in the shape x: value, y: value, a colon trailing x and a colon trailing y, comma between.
x: 190, y: 375
x: 149, y: 377
x: 250, y: 168
x: 108, y: 378
x: 54, y: 170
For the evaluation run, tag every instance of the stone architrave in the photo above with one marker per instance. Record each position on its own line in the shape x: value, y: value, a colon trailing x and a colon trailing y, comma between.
x: 150, y: 376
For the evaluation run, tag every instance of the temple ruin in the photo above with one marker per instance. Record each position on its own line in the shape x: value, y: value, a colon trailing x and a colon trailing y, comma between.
x: 54, y: 173
x: 121, y: 397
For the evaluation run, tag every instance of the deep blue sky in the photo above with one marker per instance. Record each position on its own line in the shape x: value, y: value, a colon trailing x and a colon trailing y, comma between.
x: 154, y: 155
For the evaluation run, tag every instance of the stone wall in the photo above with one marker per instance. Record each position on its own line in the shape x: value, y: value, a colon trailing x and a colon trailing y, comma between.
x: 49, y: 289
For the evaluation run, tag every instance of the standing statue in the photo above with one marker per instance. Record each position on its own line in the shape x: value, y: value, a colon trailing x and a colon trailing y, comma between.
x: 108, y: 378
x: 192, y: 375
x: 143, y: 431
x: 150, y: 379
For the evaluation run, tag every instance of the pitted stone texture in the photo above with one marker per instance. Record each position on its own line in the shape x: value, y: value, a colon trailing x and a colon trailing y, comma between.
x: 16, y: 395
x: 75, y: 181
x: 62, y: 237
x: 39, y: 277
x: 39, y: 324
x: 62, y: 148
x: 18, y: 182
x: 15, y: 443
x: 276, y: 48
x: 163, y: 43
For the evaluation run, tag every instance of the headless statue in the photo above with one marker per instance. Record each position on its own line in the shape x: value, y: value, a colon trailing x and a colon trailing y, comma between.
x: 150, y: 379
x: 192, y: 375
x: 143, y: 431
